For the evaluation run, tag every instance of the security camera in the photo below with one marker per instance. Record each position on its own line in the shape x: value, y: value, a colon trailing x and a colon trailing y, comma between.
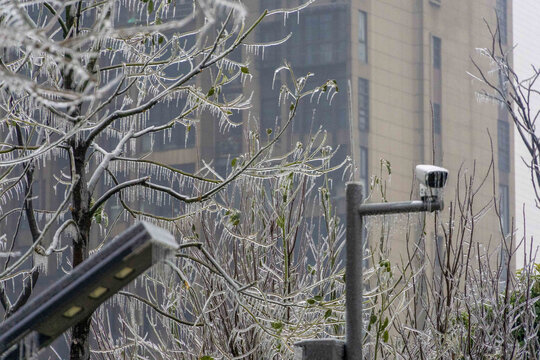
x: 432, y: 180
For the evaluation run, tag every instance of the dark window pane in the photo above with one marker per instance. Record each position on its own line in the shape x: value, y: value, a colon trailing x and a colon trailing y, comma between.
x: 504, y: 208
x: 312, y: 28
x: 437, y: 118
x: 503, y: 145
x: 325, y: 27
x: 362, y: 36
x: 326, y: 53
x: 502, y: 17
x: 363, y: 104
x: 319, y: 38
x: 364, y: 164
x: 364, y: 172
x: 436, y: 52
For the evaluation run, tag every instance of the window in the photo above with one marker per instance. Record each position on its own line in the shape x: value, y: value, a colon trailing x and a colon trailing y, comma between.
x: 319, y: 38
x: 504, y: 208
x: 436, y: 118
x: 363, y: 104
x: 503, y: 145
x: 362, y: 36
x: 500, y: 9
x: 364, y: 169
x: 436, y: 53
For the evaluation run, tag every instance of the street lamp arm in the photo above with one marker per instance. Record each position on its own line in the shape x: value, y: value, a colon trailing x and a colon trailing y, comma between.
x: 400, y: 207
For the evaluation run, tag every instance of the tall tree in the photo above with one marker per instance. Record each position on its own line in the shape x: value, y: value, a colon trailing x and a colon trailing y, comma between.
x: 80, y: 82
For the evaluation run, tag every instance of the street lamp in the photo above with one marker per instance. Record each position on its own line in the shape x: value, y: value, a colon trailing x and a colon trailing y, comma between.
x: 432, y: 179
x: 75, y: 296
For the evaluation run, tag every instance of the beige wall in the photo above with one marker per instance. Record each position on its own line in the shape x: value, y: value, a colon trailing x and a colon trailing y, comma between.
x: 400, y: 73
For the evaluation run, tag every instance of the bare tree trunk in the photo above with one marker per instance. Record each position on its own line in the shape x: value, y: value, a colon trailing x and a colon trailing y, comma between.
x: 80, y: 345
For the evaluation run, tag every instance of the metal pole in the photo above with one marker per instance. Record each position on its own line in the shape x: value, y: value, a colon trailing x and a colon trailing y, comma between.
x: 354, y: 283
x: 399, y: 207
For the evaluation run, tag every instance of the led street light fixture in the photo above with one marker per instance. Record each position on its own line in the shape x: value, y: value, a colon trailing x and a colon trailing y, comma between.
x: 75, y: 296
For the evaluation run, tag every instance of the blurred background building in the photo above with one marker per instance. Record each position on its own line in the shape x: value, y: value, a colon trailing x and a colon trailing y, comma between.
x: 406, y: 95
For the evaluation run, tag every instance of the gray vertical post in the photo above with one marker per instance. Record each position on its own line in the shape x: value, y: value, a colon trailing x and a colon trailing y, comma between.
x: 354, y: 272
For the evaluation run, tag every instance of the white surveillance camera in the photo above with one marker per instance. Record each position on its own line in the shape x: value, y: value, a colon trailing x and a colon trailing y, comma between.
x: 432, y: 179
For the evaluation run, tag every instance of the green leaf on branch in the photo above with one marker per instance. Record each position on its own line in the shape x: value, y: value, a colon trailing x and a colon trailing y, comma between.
x: 335, y: 84
x: 235, y: 219
x: 277, y: 325
x: 281, y: 222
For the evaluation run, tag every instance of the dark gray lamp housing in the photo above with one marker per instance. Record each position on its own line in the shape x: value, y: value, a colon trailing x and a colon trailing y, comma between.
x: 75, y: 296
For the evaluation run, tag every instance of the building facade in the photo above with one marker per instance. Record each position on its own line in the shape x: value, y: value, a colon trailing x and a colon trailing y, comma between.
x: 406, y: 95
x: 526, y: 53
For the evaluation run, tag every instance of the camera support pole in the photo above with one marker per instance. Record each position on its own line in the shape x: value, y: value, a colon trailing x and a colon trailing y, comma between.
x: 331, y: 349
x: 355, y: 257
